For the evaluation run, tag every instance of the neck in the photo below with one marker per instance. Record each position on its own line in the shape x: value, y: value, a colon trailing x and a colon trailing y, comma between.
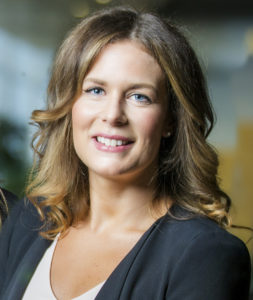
x: 122, y: 205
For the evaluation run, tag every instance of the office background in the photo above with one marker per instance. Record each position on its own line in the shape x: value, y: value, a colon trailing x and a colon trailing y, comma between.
x: 221, y: 32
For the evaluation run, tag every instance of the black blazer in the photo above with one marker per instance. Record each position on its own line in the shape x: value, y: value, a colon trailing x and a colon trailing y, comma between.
x: 175, y: 260
x: 11, y: 199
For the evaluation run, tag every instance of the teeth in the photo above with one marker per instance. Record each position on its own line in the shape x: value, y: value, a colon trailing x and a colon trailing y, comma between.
x: 110, y: 142
x: 113, y: 143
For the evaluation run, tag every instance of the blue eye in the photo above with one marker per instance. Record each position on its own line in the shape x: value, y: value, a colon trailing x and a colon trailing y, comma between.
x: 141, y: 98
x: 94, y: 91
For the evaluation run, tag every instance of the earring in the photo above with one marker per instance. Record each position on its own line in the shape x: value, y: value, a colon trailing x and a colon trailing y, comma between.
x: 167, y: 134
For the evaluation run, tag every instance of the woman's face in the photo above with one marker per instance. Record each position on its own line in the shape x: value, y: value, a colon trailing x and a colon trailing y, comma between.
x: 119, y: 118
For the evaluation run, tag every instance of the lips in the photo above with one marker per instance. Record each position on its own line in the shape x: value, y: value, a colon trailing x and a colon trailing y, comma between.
x: 112, y: 142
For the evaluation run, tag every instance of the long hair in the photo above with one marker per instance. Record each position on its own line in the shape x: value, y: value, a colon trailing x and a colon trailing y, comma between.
x: 188, y: 165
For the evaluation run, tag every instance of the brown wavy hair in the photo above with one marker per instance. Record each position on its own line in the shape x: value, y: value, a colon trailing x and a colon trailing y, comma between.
x: 187, y: 172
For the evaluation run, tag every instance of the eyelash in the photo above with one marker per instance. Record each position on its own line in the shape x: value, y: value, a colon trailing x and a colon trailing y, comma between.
x: 92, y: 90
x: 146, y: 98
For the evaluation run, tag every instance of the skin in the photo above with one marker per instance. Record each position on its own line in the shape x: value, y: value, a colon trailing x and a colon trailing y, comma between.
x: 111, y: 104
x: 124, y: 94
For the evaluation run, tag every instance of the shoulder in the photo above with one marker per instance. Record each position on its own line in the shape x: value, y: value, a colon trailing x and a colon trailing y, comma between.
x: 195, y: 228
x: 23, y: 215
x: 22, y: 225
x: 199, y: 233
x: 202, y: 254
x: 19, y: 235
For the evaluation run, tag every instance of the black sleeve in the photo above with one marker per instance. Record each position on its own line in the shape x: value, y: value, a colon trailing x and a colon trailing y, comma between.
x: 214, y: 266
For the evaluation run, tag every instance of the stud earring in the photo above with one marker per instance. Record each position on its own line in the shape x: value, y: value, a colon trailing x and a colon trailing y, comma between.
x: 167, y: 134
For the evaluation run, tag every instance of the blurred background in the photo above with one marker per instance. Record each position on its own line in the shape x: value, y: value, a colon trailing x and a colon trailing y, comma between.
x: 221, y: 32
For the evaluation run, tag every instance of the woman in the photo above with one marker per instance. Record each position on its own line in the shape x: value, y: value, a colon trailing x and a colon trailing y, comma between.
x: 125, y: 188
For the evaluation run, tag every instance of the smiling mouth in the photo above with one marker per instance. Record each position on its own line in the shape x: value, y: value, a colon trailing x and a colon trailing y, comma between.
x: 112, y: 142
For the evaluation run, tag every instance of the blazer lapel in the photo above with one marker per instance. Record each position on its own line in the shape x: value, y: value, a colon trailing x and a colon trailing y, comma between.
x: 117, y: 285
x: 25, y: 269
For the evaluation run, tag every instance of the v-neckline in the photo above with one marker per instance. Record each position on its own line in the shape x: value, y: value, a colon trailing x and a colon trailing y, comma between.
x: 134, y: 249
x: 53, y: 245
x: 130, y: 256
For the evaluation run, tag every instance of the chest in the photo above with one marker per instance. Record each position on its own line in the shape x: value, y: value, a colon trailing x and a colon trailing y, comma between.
x: 145, y: 268
x: 81, y: 263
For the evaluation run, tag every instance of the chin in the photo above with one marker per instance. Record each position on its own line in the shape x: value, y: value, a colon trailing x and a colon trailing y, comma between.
x: 110, y: 173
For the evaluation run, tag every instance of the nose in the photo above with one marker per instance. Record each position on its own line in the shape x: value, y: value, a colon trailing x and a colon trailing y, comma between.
x: 114, y: 111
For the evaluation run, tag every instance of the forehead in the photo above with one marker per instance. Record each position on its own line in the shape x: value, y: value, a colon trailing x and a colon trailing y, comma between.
x: 126, y: 58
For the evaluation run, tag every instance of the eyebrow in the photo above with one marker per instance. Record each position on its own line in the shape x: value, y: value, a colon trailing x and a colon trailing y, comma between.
x: 132, y: 86
x: 95, y: 80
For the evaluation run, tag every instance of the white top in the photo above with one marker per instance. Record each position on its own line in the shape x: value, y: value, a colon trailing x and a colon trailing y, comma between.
x: 39, y: 287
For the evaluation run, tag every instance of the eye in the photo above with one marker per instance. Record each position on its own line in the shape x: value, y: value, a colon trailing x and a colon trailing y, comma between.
x: 94, y: 91
x: 140, y: 98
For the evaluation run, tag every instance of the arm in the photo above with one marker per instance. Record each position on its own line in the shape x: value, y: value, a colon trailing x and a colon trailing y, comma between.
x: 214, y: 266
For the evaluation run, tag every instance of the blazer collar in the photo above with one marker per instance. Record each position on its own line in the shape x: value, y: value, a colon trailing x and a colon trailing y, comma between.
x: 20, y: 279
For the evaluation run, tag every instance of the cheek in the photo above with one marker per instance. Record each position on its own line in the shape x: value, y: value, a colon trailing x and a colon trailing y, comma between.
x: 80, y: 122
x: 76, y: 116
x: 76, y: 122
x: 82, y: 115
x: 151, y: 123
x: 79, y: 113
